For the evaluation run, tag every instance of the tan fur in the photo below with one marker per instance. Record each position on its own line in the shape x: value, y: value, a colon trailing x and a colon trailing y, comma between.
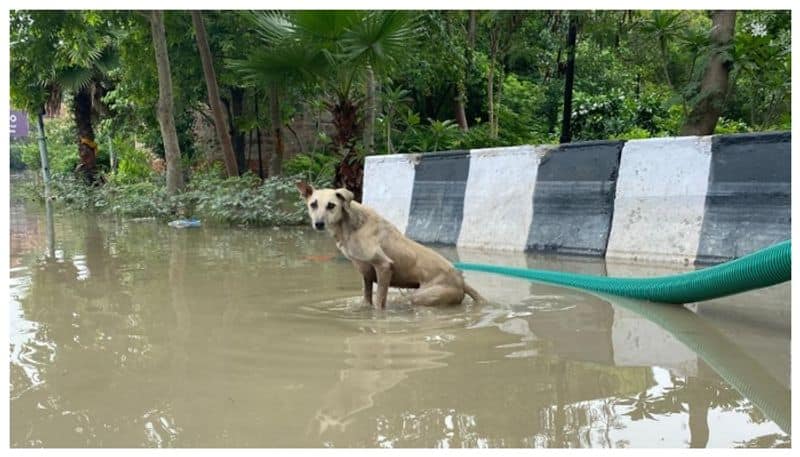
x: 381, y: 253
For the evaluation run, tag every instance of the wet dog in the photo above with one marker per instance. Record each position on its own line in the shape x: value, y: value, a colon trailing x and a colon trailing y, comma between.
x: 381, y: 253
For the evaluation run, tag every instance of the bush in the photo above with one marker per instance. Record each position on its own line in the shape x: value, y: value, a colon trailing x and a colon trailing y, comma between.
x: 133, y: 165
x: 518, y: 119
x: 730, y: 126
x: 317, y: 167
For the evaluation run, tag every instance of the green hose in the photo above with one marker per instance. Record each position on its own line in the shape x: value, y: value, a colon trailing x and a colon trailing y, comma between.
x: 766, y: 267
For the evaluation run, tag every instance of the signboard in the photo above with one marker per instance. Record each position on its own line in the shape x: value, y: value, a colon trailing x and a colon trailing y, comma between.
x: 19, y: 124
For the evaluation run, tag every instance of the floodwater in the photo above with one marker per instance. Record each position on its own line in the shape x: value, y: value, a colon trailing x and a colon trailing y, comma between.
x: 138, y: 335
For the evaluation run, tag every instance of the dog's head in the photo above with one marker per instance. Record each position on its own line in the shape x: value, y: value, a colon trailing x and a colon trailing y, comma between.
x: 326, y: 207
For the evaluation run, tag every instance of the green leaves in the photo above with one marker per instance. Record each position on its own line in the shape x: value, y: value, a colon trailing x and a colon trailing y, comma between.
x: 379, y: 38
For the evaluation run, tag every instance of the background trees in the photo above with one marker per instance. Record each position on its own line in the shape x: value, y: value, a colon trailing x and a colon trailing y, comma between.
x: 383, y: 81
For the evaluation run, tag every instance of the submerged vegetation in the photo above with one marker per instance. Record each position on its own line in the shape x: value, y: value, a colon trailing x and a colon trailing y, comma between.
x: 362, y: 82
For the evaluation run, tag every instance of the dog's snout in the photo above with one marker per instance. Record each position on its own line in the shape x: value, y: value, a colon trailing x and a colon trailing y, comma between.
x: 319, y: 225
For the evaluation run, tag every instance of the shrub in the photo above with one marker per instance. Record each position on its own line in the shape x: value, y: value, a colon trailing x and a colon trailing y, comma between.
x: 133, y: 164
x: 317, y: 167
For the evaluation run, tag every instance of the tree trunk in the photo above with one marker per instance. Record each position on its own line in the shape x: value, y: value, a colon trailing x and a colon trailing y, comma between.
x: 472, y: 27
x: 369, y: 122
x: 704, y: 116
x: 213, y: 94
x: 350, y: 171
x: 258, y: 136
x: 458, y: 107
x: 498, y: 100
x: 490, y: 95
x: 87, y: 148
x: 569, y: 80
x: 276, y: 159
x: 166, y: 115
x: 237, y: 136
x: 461, y: 101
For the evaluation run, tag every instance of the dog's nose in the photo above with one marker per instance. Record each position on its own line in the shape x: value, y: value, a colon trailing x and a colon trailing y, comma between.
x: 319, y: 225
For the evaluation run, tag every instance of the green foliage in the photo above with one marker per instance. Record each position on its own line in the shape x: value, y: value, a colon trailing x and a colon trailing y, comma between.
x: 637, y: 75
x: 15, y: 155
x: 209, y: 196
x: 616, y: 115
x: 243, y: 200
x: 432, y: 137
x: 133, y: 164
x: 519, y: 113
x: 61, y: 148
x: 730, y: 126
x: 316, y: 167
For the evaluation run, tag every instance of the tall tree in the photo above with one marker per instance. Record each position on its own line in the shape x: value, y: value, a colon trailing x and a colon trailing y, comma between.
x: 502, y: 25
x: 166, y: 112
x: 569, y: 81
x: 214, y: 101
x: 713, y: 89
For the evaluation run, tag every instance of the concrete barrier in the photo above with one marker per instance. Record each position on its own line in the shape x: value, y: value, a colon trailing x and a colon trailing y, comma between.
x: 388, y: 182
x: 749, y: 199
x: 437, y: 198
x: 681, y: 200
x: 660, y: 199
x: 574, y: 198
x: 499, y: 192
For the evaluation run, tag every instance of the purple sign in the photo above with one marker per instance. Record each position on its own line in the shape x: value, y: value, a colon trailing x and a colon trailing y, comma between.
x: 19, y: 124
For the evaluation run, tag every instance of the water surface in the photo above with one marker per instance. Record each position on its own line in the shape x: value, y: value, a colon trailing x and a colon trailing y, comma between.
x: 139, y: 335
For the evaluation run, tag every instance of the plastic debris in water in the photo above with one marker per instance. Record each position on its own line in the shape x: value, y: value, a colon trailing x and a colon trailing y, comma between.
x: 184, y: 223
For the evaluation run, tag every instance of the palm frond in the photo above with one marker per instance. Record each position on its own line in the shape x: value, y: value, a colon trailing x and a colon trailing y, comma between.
x: 380, y: 37
x: 74, y: 78
x: 272, y: 27
x: 289, y: 63
x: 108, y: 60
x: 326, y: 26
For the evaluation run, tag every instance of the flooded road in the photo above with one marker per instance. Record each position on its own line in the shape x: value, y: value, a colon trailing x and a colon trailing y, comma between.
x: 139, y: 335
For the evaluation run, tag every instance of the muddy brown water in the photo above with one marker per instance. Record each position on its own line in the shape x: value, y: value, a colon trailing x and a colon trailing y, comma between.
x: 139, y: 335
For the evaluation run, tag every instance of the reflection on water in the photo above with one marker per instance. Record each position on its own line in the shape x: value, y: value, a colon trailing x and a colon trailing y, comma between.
x: 132, y: 334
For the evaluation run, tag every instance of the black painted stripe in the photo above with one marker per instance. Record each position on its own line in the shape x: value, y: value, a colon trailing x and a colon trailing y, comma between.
x: 748, y: 204
x: 437, y: 199
x: 573, y: 202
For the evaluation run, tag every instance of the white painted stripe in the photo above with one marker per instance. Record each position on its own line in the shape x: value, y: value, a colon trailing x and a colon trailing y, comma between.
x: 388, y: 184
x: 498, y: 201
x: 660, y: 199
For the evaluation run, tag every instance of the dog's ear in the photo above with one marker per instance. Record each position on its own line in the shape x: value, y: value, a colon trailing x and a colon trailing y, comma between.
x: 345, y: 196
x: 305, y: 189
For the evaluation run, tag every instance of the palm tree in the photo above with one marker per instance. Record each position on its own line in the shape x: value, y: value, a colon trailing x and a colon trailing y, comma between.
x: 60, y: 53
x: 334, y: 51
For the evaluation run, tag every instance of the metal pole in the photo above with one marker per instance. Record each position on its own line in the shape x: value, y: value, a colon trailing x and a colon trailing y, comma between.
x: 48, y: 204
x: 43, y: 155
x: 50, y: 228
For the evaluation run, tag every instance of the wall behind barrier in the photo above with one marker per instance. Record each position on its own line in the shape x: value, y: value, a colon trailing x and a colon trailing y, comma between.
x: 679, y: 200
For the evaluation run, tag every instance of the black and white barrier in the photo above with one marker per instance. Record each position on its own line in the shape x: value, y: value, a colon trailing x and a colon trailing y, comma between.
x: 679, y: 200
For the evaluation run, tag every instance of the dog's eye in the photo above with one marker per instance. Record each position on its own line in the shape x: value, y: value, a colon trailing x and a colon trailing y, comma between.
x: 313, y: 204
x: 331, y: 205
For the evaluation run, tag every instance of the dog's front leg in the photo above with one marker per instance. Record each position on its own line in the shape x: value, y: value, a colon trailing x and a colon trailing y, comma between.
x: 368, y: 280
x: 384, y: 273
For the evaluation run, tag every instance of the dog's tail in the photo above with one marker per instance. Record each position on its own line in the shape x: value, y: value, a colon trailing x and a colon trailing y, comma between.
x: 474, y: 294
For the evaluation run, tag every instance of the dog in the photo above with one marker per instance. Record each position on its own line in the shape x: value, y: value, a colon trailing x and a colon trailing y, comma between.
x: 381, y: 253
